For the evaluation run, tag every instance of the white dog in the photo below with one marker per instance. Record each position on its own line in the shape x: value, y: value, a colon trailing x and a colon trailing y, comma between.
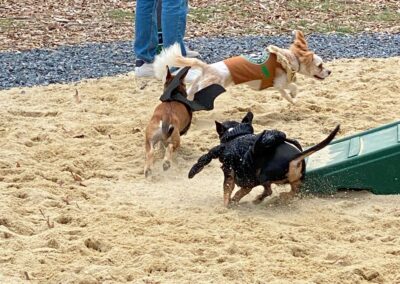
x: 276, y: 69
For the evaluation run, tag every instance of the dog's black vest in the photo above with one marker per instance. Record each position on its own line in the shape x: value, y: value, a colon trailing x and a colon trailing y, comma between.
x: 203, y: 99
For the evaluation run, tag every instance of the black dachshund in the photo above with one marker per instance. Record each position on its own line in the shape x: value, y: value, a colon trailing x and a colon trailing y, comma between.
x: 249, y: 160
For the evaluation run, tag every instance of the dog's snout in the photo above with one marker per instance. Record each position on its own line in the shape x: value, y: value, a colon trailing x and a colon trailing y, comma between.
x: 329, y: 72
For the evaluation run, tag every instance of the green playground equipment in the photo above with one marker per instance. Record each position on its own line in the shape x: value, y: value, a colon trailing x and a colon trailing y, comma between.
x: 366, y: 161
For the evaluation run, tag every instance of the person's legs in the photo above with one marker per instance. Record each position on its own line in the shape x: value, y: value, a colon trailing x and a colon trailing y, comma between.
x: 183, y: 29
x: 174, y: 22
x: 146, y: 30
x: 189, y: 52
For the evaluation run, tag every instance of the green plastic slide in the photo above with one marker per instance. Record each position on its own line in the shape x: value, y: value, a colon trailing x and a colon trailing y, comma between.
x: 369, y: 160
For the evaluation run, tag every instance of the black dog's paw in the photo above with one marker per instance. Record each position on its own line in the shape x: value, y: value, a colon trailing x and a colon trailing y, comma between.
x: 194, y: 171
x: 166, y: 165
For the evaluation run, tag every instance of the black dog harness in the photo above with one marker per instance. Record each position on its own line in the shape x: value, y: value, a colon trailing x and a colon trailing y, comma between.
x: 203, y: 99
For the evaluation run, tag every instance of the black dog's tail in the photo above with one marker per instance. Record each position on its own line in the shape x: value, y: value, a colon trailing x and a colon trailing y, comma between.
x: 301, y: 156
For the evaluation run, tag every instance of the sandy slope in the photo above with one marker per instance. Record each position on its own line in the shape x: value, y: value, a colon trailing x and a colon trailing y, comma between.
x: 115, y: 226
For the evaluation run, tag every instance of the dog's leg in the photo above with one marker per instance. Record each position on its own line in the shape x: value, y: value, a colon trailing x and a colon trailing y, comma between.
x: 281, y: 83
x: 240, y: 194
x: 292, y: 90
x: 172, y: 146
x: 294, y: 189
x: 267, y: 192
x: 229, y: 185
x: 168, y: 156
x: 149, y: 158
x: 286, y: 96
x: 194, y: 87
x: 205, y: 80
x: 204, y: 160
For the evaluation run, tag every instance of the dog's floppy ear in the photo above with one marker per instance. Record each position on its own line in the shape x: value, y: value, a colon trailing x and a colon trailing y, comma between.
x: 220, y: 128
x: 248, y: 118
x: 300, y: 48
x: 300, y: 41
x: 169, y: 75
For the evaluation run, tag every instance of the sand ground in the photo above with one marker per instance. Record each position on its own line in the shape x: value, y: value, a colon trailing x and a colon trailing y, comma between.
x: 76, y: 208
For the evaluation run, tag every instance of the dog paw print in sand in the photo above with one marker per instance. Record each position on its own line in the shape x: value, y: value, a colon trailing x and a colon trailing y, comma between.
x: 111, y: 98
x: 37, y: 139
x: 21, y: 194
x: 314, y: 108
x: 63, y: 219
x: 158, y: 266
x: 24, y: 113
x: 5, y: 231
x: 298, y: 251
x: 53, y: 243
x: 10, y: 228
x: 11, y: 173
x: 395, y: 252
x: 369, y: 274
x: 97, y: 245
x: 338, y: 259
x: 104, y: 129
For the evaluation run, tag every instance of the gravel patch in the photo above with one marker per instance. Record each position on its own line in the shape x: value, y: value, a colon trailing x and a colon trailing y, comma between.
x: 74, y: 63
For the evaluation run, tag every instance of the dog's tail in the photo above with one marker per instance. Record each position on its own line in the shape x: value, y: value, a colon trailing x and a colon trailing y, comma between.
x: 301, y: 156
x: 172, y: 56
x: 166, y: 129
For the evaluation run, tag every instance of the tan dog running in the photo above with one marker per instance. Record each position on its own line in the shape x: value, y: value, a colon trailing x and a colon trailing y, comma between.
x: 172, y: 117
x: 276, y: 70
x: 170, y: 120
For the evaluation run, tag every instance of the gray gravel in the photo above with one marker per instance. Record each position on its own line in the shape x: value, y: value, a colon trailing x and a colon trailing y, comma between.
x: 74, y: 63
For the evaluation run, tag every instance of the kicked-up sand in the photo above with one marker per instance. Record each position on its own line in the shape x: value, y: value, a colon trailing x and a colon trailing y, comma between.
x: 76, y: 208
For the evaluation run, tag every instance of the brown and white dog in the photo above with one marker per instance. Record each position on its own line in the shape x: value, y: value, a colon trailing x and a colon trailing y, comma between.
x: 170, y: 120
x: 276, y: 70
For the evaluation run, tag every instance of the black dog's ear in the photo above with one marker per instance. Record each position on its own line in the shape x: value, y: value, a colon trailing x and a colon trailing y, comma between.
x: 248, y: 118
x: 169, y: 75
x: 220, y: 128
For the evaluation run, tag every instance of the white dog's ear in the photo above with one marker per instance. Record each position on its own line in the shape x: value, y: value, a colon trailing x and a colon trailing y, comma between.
x: 300, y: 48
x: 299, y: 40
x: 248, y: 118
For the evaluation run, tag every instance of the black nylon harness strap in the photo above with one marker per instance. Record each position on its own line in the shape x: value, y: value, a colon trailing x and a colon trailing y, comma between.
x: 203, y: 99
x: 240, y: 130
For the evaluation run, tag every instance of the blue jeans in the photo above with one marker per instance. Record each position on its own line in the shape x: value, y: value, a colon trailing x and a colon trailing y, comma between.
x: 173, y: 24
